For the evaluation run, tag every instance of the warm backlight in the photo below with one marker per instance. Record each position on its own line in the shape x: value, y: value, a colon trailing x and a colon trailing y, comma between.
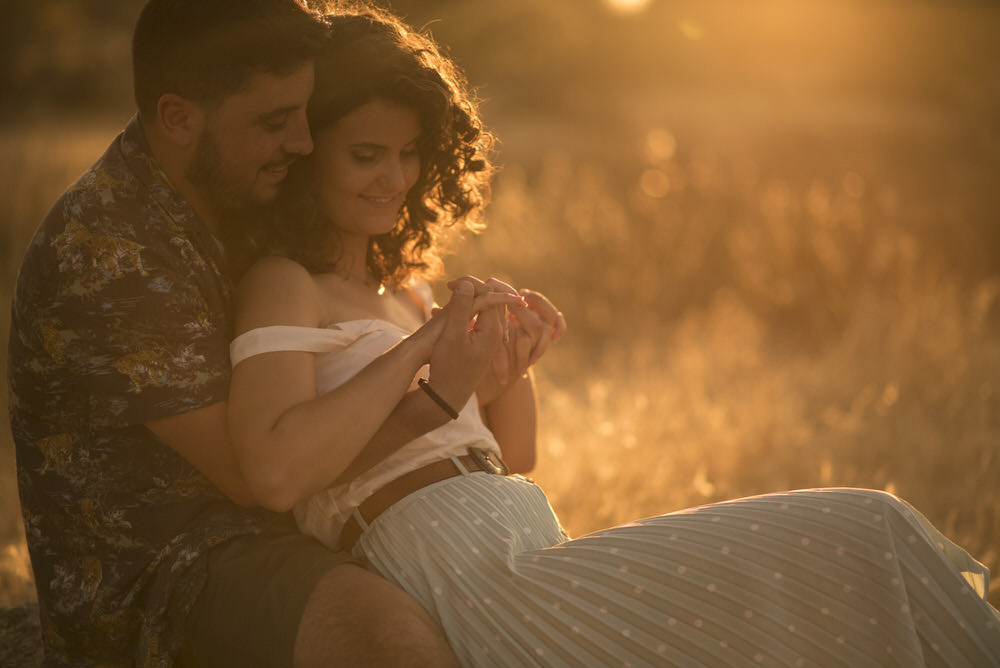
x: 627, y: 6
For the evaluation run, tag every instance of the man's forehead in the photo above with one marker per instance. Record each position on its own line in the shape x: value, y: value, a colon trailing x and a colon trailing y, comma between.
x: 265, y: 92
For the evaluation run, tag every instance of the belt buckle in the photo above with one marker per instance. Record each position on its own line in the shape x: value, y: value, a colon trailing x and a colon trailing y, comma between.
x: 488, y: 461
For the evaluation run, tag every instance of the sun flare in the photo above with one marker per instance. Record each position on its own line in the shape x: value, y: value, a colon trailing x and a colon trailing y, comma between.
x: 627, y: 6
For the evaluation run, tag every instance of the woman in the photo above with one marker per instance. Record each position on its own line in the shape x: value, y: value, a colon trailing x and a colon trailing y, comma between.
x: 818, y: 577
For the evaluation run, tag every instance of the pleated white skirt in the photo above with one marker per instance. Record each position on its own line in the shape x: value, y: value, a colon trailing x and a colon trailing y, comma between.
x: 826, y: 577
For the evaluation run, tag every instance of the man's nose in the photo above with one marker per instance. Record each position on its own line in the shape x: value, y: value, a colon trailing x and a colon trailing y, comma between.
x: 299, y: 140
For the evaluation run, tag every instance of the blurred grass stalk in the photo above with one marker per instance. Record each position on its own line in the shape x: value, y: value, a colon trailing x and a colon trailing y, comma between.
x: 732, y: 332
x: 739, y: 328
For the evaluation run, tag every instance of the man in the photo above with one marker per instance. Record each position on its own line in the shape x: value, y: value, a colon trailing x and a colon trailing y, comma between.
x: 147, y: 545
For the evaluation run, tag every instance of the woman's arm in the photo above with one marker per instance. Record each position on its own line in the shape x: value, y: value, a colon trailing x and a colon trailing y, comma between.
x: 292, y: 442
x: 513, y: 418
x: 511, y: 410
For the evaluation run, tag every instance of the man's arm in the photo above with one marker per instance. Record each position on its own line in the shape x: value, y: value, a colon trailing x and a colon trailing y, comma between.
x: 201, y: 436
x: 458, y: 361
x: 415, y: 415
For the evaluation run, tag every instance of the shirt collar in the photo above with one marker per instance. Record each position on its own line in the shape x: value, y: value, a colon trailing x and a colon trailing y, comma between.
x: 140, y: 160
x: 177, y: 212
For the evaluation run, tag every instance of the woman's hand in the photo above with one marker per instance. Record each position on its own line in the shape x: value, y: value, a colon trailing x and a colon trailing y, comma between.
x: 485, y: 295
x: 531, y: 331
x: 473, y: 324
x: 537, y: 327
x: 506, y: 392
x: 532, y: 323
x: 492, y: 292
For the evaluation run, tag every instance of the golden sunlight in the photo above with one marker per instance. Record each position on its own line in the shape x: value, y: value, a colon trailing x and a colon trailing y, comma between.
x: 627, y: 6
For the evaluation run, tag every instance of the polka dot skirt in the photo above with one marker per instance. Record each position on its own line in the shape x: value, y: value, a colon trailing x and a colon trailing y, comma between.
x: 826, y: 577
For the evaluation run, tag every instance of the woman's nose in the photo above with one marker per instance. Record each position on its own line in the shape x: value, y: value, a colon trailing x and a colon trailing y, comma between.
x: 394, y: 176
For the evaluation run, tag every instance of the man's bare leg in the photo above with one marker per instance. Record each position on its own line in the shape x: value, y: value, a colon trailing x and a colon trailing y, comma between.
x: 356, y: 618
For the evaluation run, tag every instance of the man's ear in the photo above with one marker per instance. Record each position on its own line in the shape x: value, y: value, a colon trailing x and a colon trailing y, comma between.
x: 180, y: 119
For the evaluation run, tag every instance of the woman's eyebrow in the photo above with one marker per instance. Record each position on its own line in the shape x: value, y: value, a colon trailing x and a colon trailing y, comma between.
x: 371, y: 144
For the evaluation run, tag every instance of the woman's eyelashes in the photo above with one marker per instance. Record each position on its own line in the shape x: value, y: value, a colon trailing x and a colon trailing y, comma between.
x: 373, y: 156
x: 365, y: 157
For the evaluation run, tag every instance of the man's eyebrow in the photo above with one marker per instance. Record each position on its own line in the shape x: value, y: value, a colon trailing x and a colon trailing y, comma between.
x: 282, y: 111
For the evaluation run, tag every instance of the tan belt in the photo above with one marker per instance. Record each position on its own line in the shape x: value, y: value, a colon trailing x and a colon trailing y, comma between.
x: 393, y: 491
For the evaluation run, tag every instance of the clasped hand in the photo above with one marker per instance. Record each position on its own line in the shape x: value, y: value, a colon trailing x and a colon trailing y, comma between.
x: 490, y: 335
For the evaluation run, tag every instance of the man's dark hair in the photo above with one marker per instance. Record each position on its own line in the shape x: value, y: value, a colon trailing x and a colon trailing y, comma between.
x: 205, y: 50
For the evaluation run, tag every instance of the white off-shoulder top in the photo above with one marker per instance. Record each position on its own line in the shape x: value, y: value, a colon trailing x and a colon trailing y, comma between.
x: 341, y: 351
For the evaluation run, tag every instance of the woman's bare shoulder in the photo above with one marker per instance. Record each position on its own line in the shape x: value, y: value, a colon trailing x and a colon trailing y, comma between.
x: 277, y: 291
x: 274, y: 266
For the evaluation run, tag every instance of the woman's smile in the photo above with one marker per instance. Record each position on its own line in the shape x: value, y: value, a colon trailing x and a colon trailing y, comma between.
x: 367, y: 162
x: 382, y: 201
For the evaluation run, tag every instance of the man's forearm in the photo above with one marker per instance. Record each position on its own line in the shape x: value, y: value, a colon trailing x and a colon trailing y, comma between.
x: 457, y: 364
x: 414, y: 415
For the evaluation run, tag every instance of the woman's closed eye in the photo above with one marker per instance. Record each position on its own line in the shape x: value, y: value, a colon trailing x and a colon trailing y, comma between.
x: 365, y: 157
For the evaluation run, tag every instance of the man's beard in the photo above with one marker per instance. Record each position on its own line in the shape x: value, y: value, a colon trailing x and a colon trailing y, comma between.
x: 220, y: 186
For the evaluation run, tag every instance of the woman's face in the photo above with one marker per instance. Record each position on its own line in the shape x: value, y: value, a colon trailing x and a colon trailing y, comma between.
x: 367, y: 162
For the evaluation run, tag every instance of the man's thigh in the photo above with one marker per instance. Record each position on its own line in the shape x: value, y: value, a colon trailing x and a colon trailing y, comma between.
x: 257, y: 588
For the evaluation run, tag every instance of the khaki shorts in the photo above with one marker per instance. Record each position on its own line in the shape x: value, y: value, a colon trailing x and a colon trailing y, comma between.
x: 249, y: 611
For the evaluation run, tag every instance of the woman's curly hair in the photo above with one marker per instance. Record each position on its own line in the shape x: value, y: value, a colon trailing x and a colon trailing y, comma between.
x: 371, y: 56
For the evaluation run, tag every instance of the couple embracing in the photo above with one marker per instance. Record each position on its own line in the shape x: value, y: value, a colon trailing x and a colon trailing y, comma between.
x: 246, y: 434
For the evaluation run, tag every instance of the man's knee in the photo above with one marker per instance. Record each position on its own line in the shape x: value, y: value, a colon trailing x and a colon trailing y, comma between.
x: 359, y: 618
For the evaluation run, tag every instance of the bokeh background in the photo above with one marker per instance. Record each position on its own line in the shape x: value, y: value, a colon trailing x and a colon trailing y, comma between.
x: 773, y: 226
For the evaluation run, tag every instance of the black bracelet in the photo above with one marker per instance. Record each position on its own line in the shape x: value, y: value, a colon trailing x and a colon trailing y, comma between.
x: 445, y: 406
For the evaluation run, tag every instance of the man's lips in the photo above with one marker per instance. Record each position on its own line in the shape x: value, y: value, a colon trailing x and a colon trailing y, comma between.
x: 278, y: 170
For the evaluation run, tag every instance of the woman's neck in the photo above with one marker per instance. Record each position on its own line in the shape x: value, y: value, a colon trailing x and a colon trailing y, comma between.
x: 353, y: 256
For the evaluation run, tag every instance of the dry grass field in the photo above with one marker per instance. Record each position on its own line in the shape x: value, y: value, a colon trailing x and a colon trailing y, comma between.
x: 782, y: 274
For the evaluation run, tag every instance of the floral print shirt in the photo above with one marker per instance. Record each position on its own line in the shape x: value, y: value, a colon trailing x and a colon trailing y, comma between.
x: 121, y: 316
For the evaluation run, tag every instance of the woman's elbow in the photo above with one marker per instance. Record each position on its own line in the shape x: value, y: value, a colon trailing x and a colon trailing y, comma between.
x: 275, y: 495
x: 242, y: 496
x: 235, y: 487
x: 272, y: 487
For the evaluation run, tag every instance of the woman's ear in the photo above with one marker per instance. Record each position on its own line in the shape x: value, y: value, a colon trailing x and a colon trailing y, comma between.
x: 180, y: 119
